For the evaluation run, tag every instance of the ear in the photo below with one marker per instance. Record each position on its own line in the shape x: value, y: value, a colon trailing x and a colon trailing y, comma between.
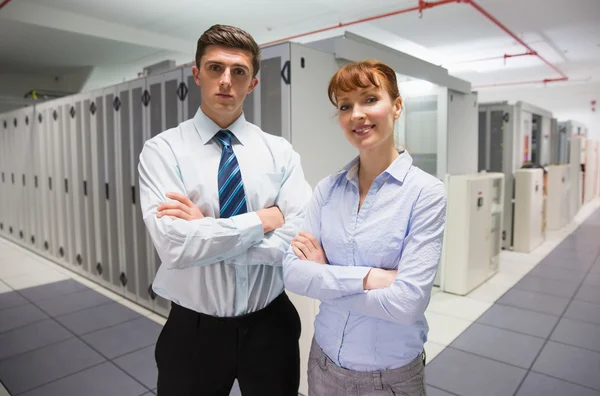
x: 252, y: 85
x: 196, y: 74
x: 397, y: 108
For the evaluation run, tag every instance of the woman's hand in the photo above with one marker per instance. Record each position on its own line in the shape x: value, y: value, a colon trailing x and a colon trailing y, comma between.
x: 378, y: 278
x: 307, y: 247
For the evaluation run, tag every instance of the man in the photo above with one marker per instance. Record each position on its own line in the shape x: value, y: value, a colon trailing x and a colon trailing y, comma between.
x: 222, y: 201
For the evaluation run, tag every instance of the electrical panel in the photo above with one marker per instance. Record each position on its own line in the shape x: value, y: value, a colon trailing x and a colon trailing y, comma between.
x: 558, y: 213
x: 471, y: 253
x: 529, y: 209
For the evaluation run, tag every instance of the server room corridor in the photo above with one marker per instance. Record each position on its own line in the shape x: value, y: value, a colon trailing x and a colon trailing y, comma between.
x: 533, y: 329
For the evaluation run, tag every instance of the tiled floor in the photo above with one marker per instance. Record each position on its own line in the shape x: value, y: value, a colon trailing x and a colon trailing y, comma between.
x: 542, y: 337
x: 533, y: 329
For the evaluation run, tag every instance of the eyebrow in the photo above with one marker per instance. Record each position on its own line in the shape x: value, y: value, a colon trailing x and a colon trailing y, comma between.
x: 365, y: 92
x: 212, y: 62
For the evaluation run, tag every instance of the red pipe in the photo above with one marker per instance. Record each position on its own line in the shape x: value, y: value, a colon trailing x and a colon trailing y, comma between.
x: 5, y: 2
x: 524, y: 44
x: 505, y: 56
x: 422, y: 5
x: 425, y: 5
x: 545, y: 81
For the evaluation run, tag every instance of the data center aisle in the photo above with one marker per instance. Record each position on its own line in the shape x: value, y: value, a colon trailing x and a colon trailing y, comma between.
x: 542, y: 337
x: 533, y: 329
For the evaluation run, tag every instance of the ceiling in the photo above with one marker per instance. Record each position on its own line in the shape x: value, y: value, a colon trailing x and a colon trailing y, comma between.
x: 47, y: 36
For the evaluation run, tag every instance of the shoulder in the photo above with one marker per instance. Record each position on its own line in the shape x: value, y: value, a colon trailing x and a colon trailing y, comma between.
x: 166, y: 141
x: 427, y: 188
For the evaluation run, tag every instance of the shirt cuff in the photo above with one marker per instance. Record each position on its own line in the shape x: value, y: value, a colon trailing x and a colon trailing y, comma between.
x: 352, y: 280
x: 251, y: 228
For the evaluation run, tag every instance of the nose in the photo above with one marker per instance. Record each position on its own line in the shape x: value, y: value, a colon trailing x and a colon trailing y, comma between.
x: 226, y: 78
x: 357, y: 113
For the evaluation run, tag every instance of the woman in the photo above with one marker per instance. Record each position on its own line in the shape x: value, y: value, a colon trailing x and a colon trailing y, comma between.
x: 370, y: 249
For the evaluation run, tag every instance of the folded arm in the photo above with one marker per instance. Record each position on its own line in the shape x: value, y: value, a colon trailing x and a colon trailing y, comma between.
x: 182, y: 243
x: 408, y: 296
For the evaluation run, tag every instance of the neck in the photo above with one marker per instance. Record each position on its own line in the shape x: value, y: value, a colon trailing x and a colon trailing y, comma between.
x: 373, y: 162
x: 222, y: 120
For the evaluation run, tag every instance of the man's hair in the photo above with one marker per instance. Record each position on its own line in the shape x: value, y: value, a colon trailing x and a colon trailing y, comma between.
x: 232, y: 37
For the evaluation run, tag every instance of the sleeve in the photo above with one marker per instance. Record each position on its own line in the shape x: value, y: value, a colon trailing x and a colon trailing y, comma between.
x: 315, y: 280
x: 293, y: 197
x: 181, y: 243
x: 406, y: 299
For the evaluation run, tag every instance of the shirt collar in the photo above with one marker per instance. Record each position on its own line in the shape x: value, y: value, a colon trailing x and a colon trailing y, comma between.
x: 397, y: 169
x: 207, y: 128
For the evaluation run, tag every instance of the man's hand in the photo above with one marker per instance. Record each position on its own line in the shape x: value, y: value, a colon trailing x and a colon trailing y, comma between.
x: 378, y: 278
x: 182, y: 208
x: 271, y: 218
x: 307, y: 247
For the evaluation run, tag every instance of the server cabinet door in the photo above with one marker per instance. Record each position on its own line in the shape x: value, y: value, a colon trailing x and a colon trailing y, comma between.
x: 112, y: 106
x: 37, y: 223
x: 163, y: 112
x: 127, y: 278
x: 270, y: 101
x: 9, y: 179
x: 78, y: 251
x: 27, y: 177
x: 14, y: 169
x: 140, y: 100
x: 4, y: 150
x: 89, y: 188
x: 100, y: 191
x: 192, y: 96
x: 46, y: 195
x: 67, y: 181
x: 12, y: 166
x: 58, y: 180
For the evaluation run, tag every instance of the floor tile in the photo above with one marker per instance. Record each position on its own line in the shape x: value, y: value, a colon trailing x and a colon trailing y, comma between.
x: 548, y: 286
x: 534, y: 301
x: 431, y: 391
x: 584, y: 311
x: 65, y: 304
x: 34, y: 279
x: 432, y: 350
x: 20, y: 316
x: 52, y: 290
x: 538, y: 384
x: 577, y: 333
x: 488, y: 292
x: 32, y: 337
x: 4, y: 287
x: 124, y: 338
x: 36, y: 368
x: 104, y: 379
x: 570, y: 259
x: 561, y: 274
x: 589, y: 294
x: 444, y: 329
x: 519, y: 320
x: 499, y: 344
x: 100, y: 317
x: 570, y: 364
x: 593, y: 279
x: 141, y: 365
x: 469, y: 375
x: 457, y: 306
x: 11, y: 299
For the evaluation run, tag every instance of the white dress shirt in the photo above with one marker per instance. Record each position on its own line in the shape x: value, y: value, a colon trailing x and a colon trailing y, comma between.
x: 221, y: 267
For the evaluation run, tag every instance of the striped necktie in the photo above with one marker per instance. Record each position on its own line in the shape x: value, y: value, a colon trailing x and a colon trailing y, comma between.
x: 232, y: 199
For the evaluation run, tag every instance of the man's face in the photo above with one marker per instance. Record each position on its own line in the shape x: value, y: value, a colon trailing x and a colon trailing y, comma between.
x: 225, y: 78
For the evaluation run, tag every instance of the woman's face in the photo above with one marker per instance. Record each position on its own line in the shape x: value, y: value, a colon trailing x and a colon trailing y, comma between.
x: 367, y: 116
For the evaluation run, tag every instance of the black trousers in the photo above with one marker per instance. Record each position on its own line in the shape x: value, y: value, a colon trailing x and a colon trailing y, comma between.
x: 202, y: 355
